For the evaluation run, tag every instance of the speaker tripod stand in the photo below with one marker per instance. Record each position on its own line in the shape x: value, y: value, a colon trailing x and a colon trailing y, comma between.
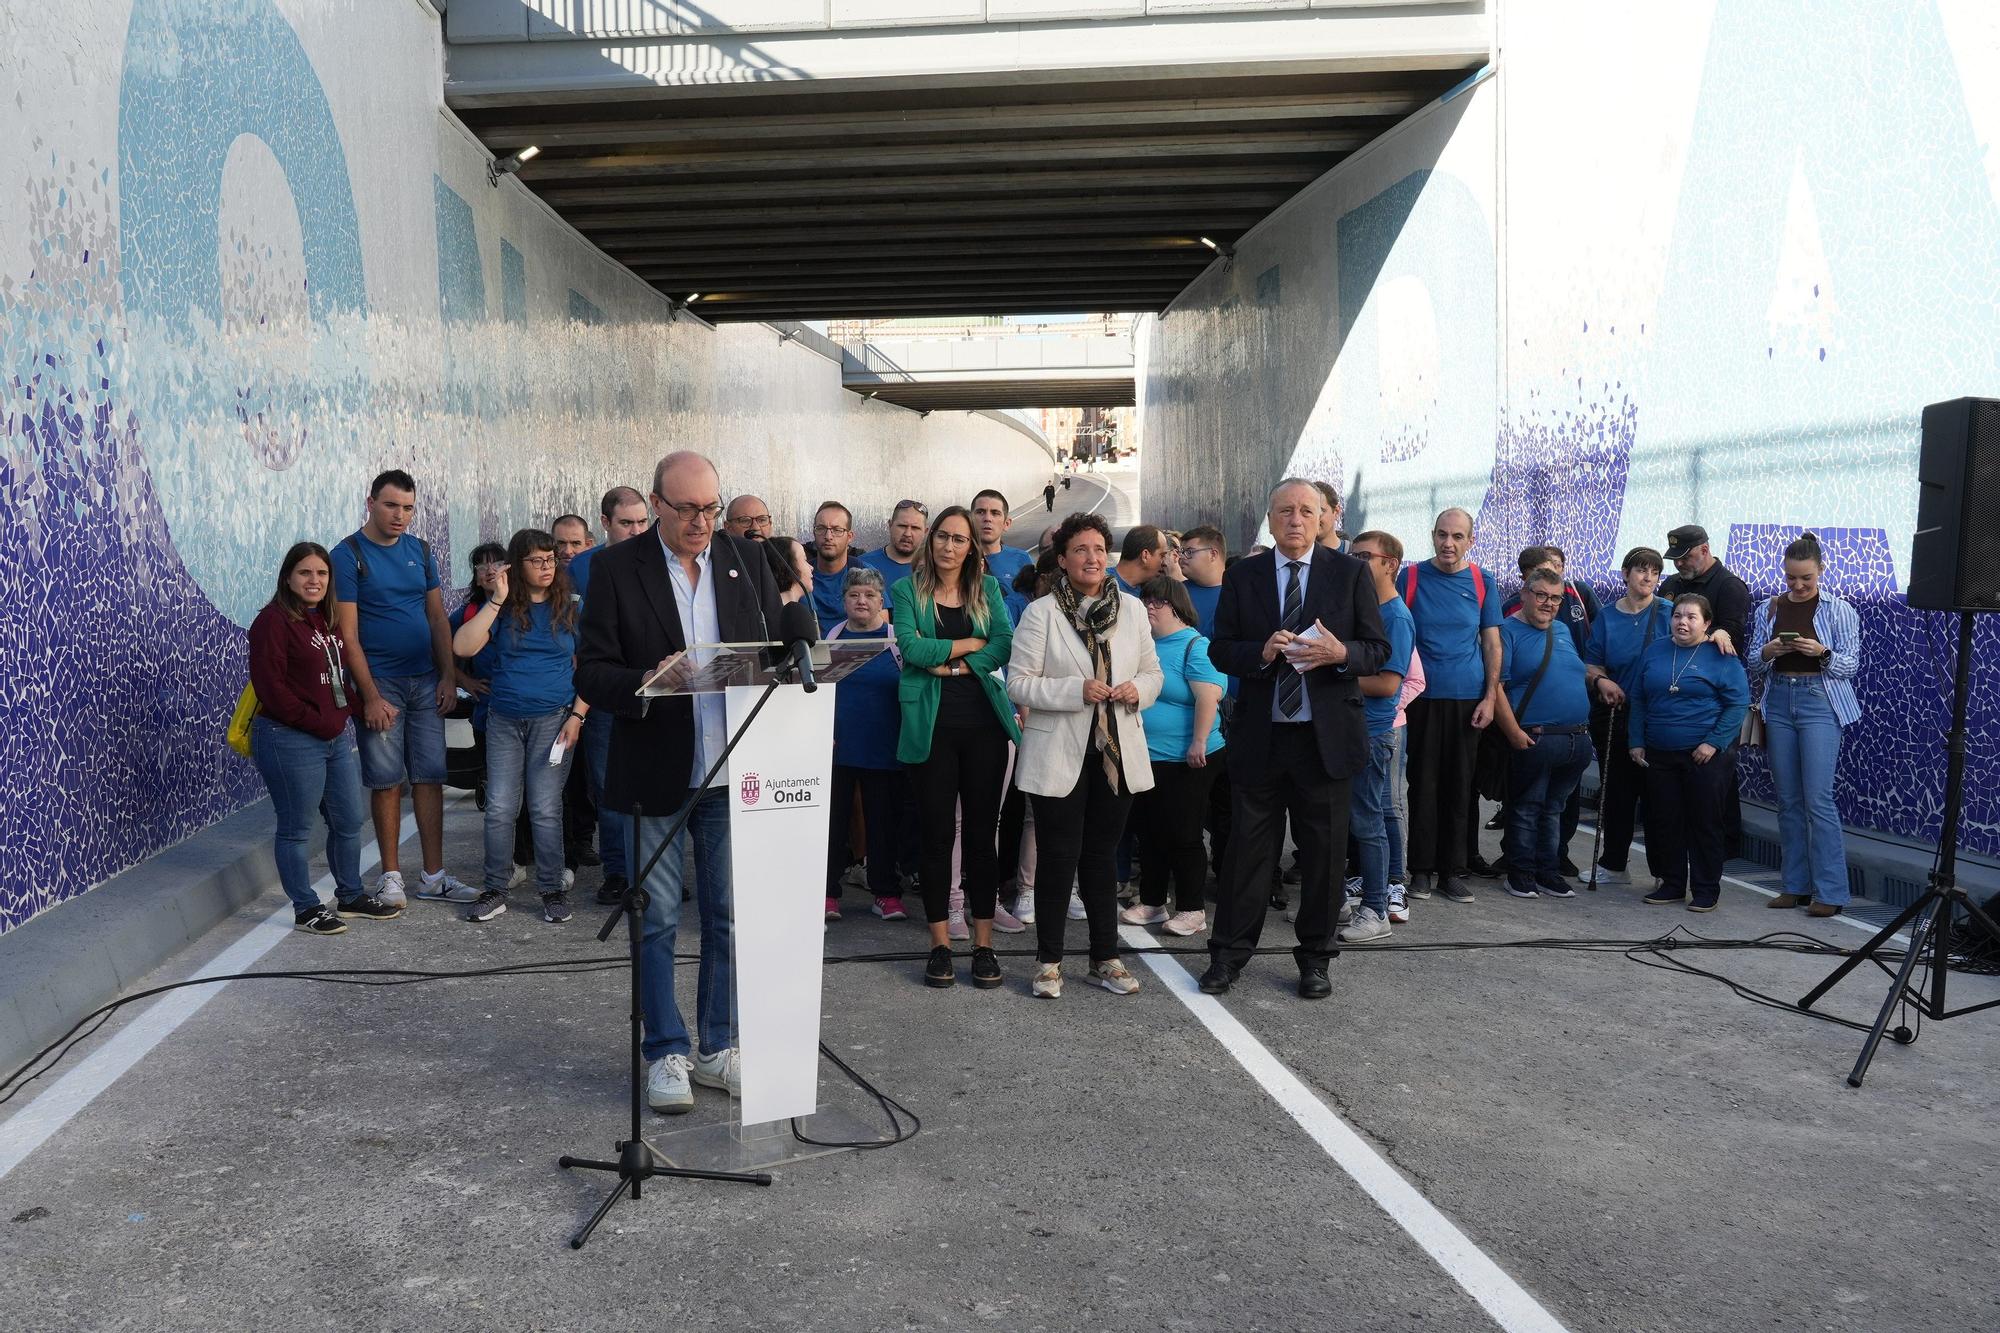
x: 1932, y: 915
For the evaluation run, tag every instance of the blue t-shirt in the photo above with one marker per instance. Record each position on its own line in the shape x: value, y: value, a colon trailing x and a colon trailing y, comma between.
x: 829, y: 596
x: 1017, y: 606
x: 1169, y: 722
x: 892, y: 573
x: 1400, y: 628
x: 1687, y: 697
x: 867, y: 720
x: 531, y: 672
x: 1449, y: 618
x: 1006, y: 565
x: 1616, y: 638
x: 1561, y: 699
x: 579, y: 570
x: 389, y: 601
x: 1204, y: 600
x: 1123, y: 586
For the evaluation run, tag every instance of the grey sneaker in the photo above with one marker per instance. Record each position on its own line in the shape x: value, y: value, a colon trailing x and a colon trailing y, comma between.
x: 720, y: 1070
x: 1455, y: 889
x: 1368, y: 925
x: 488, y: 905
x: 1420, y: 884
x: 555, y: 908
x: 389, y: 889
x: 667, y: 1087
x: 444, y: 889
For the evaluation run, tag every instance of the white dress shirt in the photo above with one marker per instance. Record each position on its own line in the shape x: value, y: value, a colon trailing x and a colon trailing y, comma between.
x: 695, y: 602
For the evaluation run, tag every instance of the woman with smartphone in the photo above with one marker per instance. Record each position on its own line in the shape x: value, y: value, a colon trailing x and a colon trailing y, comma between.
x: 1806, y: 645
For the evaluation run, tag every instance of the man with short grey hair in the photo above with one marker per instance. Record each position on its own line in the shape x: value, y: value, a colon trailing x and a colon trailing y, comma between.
x: 749, y: 517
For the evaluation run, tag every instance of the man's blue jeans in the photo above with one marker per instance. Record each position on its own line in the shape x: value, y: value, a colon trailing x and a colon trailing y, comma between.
x: 1367, y: 808
x: 1539, y: 781
x: 715, y: 989
x: 309, y: 777
x: 518, y: 770
x: 1802, y: 739
x: 613, y: 828
x: 1392, y: 804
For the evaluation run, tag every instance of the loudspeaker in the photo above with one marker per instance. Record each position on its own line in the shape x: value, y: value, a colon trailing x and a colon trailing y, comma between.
x: 1955, y: 560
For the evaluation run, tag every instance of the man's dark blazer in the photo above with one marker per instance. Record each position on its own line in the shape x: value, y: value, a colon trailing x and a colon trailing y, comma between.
x: 631, y: 623
x: 1340, y: 594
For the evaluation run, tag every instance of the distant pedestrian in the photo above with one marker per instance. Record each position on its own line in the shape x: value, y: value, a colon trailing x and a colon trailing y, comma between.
x: 1049, y: 495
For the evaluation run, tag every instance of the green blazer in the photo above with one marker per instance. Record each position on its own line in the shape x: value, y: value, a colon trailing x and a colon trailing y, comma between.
x: 917, y: 640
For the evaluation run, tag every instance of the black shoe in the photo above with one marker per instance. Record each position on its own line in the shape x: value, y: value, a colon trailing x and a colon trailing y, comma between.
x: 1498, y: 822
x: 1664, y: 897
x: 612, y: 891
x: 1219, y: 978
x: 586, y: 855
x: 1454, y: 889
x: 1313, y: 984
x: 318, y: 921
x: 1485, y: 869
x: 555, y: 908
x: 985, y: 969
x: 487, y: 905
x: 1279, y: 900
x: 1568, y: 867
x: 938, y: 971
x: 368, y: 908
x: 1705, y: 904
x: 1291, y: 875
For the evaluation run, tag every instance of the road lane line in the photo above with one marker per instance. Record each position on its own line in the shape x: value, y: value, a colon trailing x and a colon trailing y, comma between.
x: 1511, y: 1307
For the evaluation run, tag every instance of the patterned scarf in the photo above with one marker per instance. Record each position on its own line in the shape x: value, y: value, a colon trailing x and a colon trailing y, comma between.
x: 1094, y: 627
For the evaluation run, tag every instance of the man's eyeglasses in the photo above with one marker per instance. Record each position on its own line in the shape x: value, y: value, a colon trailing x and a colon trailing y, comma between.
x: 752, y: 520
x: 694, y: 513
x: 824, y: 530
x: 1187, y: 551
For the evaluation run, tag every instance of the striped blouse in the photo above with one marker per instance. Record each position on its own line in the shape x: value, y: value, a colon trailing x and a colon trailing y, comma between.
x: 1835, y: 624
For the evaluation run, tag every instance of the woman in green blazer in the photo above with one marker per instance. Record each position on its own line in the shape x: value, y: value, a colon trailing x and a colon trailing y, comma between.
x: 954, y: 633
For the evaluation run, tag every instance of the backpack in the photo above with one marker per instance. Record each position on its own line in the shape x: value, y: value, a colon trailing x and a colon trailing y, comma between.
x: 361, y: 563
x: 1410, y: 584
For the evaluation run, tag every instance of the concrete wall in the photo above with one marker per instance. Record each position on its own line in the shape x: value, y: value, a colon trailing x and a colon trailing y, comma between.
x: 246, y: 261
x: 1671, y: 262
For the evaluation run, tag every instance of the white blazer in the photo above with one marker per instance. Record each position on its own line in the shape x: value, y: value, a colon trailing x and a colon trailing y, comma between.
x: 1045, y: 675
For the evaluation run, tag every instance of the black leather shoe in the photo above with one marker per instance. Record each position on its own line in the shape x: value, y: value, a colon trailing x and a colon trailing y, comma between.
x: 612, y: 891
x: 1313, y: 984
x: 1218, y: 979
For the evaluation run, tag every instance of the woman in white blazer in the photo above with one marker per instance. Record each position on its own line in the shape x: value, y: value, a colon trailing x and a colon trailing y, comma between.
x: 1082, y: 668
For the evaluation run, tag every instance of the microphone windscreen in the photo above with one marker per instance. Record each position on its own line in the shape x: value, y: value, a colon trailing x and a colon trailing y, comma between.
x: 796, y: 624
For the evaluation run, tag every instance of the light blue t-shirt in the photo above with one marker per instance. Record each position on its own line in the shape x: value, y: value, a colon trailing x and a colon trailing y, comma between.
x: 1561, y: 699
x: 1169, y: 722
x: 1006, y: 565
x: 389, y: 601
x: 1449, y: 616
x: 1401, y: 630
x: 892, y: 573
x: 1617, y: 639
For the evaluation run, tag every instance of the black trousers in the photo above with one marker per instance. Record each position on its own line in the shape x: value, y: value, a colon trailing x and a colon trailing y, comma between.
x: 1620, y: 784
x: 1442, y: 809
x: 579, y: 813
x: 1295, y: 783
x: 1684, y: 830
x: 1168, y: 821
x: 880, y: 791
x: 963, y: 777
x: 1013, y: 818
x: 1076, y: 838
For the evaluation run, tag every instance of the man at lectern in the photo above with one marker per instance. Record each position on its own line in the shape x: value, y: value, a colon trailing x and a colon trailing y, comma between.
x: 682, y: 583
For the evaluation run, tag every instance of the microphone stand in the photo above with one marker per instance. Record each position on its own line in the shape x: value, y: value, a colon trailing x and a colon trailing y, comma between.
x: 636, y: 1163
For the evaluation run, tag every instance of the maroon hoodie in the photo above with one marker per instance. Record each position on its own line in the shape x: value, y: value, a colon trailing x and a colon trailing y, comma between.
x: 289, y: 670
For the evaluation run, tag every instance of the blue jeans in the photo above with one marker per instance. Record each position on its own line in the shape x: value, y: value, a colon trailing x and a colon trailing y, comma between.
x: 1802, y: 738
x: 412, y: 749
x: 1392, y: 806
x: 715, y: 988
x: 518, y: 768
x: 1367, y: 810
x: 614, y: 828
x: 307, y: 777
x: 1539, y: 781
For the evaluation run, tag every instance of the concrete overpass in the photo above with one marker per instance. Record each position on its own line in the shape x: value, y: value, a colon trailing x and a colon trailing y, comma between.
x: 1069, y: 364
x: 805, y: 159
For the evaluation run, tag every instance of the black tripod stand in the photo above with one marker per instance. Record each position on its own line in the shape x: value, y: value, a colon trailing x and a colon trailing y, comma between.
x: 1933, y: 913
x: 636, y: 1163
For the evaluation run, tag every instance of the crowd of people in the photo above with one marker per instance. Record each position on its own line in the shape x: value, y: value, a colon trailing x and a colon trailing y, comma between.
x: 1122, y: 730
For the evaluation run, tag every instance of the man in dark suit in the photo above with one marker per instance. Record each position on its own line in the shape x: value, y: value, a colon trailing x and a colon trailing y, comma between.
x: 1298, y: 626
x: 682, y: 583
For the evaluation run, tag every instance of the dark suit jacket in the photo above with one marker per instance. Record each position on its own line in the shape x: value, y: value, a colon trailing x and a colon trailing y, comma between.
x: 630, y: 623
x: 1340, y: 594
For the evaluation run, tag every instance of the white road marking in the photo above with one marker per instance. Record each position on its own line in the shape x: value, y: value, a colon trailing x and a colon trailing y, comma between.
x: 34, y: 1124
x: 1511, y: 1307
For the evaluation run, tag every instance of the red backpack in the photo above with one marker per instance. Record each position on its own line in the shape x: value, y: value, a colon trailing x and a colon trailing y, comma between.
x: 1410, y: 584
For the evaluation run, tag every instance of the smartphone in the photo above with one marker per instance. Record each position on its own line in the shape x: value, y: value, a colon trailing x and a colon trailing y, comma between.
x: 1787, y: 635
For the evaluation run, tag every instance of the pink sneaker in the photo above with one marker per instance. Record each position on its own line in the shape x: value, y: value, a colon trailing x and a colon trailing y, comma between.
x: 955, y: 927
x: 890, y: 908
x: 1138, y: 914
x: 1187, y: 923
x: 1006, y: 922
x: 833, y: 909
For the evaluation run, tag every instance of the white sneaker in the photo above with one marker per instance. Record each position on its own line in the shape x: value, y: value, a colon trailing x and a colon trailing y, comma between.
x: 1024, y: 908
x: 569, y: 879
x: 1076, y: 912
x: 1368, y: 925
x: 667, y: 1085
x: 1399, y: 905
x: 1048, y: 981
x: 1608, y: 876
x: 389, y: 889
x: 442, y: 888
x: 518, y: 877
x: 1128, y: 891
x: 721, y: 1070
x: 1114, y: 976
x: 856, y: 876
x: 1138, y: 914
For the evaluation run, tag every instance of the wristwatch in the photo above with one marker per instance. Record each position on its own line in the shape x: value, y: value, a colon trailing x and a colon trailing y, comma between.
x: 958, y: 668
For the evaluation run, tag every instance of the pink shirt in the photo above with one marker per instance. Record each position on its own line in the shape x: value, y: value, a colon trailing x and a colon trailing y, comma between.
x: 1413, y: 685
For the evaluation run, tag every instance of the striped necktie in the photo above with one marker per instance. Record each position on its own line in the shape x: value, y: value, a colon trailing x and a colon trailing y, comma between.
x: 1291, y: 685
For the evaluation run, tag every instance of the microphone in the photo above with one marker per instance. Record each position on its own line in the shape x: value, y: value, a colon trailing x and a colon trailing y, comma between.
x: 799, y: 630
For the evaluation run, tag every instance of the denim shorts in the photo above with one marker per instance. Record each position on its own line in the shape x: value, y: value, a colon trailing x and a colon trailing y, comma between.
x: 412, y: 749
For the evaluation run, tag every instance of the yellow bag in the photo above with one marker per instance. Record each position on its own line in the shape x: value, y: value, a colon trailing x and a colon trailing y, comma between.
x: 239, y: 722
